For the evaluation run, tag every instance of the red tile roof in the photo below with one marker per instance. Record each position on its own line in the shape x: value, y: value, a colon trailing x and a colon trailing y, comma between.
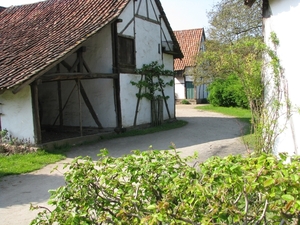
x: 189, y: 41
x: 34, y: 36
x: 2, y: 8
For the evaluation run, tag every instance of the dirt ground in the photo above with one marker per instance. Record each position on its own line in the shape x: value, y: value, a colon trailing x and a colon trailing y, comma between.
x: 208, y: 133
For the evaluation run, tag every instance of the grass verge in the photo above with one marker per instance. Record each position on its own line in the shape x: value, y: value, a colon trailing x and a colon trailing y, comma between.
x: 23, y: 163
x: 244, y: 115
x: 27, y: 162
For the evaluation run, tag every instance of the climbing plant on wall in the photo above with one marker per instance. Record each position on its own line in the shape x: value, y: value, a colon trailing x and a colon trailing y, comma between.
x: 152, y: 87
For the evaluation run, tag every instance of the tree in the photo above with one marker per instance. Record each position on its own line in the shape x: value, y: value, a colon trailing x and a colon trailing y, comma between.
x: 243, y: 59
x: 231, y: 23
x: 231, y: 20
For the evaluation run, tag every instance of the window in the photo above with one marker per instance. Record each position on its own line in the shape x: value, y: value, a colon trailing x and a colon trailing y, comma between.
x: 126, y: 54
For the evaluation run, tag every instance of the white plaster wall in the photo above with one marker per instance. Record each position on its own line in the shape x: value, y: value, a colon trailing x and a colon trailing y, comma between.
x: 141, y: 8
x: 165, y: 33
x: 98, y: 55
x: 153, y: 10
x: 168, y: 62
x: 147, y: 9
x: 17, y: 115
x: 127, y: 15
x: 285, y: 14
x: 147, y: 42
x: 179, y: 88
x: 129, y: 101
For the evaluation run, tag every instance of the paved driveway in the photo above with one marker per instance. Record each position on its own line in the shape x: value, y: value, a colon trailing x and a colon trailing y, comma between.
x: 207, y: 133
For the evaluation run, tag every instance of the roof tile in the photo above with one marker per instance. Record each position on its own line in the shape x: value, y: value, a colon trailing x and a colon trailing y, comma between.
x: 35, y: 35
x: 189, y: 41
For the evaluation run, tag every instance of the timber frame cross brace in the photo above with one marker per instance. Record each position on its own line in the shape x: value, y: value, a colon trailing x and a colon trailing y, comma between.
x: 78, y: 66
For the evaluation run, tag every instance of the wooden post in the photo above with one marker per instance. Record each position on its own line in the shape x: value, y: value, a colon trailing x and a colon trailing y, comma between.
x: 153, y: 120
x: 61, y: 120
x: 36, y: 113
x: 116, y: 82
x: 160, y: 111
x: 118, y: 101
x: 64, y: 106
x: 59, y: 98
x: 80, y: 110
x: 138, y: 103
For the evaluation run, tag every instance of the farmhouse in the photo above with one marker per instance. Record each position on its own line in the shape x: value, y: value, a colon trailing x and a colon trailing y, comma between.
x: 191, y: 43
x: 278, y: 17
x: 66, y: 65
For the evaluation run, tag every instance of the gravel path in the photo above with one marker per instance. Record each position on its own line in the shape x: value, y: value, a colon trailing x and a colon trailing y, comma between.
x: 207, y: 133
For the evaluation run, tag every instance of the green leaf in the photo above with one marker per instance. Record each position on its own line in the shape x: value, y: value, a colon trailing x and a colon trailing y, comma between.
x: 269, y: 182
x: 150, y: 207
x: 288, y: 197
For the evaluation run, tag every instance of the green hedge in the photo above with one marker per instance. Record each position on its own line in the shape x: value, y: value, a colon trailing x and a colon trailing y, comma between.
x: 159, y: 187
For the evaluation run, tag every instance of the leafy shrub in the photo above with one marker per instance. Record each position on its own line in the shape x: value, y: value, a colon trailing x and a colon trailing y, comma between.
x: 159, y: 187
x: 10, y: 145
x: 185, y: 102
x: 204, y: 101
x: 227, y: 92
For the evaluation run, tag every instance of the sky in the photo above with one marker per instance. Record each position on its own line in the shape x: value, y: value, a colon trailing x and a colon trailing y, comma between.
x: 182, y: 14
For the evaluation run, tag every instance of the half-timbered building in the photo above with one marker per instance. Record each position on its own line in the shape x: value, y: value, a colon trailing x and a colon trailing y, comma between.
x: 67, y: 65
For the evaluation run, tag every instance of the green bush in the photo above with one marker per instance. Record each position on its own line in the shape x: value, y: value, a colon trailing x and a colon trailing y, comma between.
x: 185, y: 102
x: 227, y: 92
x: 159, y: 187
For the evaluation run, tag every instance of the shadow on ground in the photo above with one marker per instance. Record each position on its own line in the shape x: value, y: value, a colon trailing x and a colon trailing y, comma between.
x: 21, y: 189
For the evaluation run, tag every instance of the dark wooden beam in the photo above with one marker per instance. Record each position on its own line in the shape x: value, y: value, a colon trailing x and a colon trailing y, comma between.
x: 36, y: 113
x: 114, y: 47
x: 80, y: 108
x: 89, y: 105
x: 116, y: 69
x: 147, y: 19
x: 74, y: 65
x: 61, y: 120
x: 44, y: 70
x: 80, y: 61
x: 74, y: 76
x: 66, y: 65
x: 61, y: 111
x: 118, y: 102
x: 86, y: 66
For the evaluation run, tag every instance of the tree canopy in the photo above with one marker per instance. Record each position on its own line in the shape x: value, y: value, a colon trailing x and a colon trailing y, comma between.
x: 231, y: 20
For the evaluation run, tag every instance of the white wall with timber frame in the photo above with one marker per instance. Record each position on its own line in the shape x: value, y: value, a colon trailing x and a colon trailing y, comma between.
x: 148, y: 31
x: 100, y: 91
x: 141, y: 21
x: 17, y: 117
x: 285, y: 13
